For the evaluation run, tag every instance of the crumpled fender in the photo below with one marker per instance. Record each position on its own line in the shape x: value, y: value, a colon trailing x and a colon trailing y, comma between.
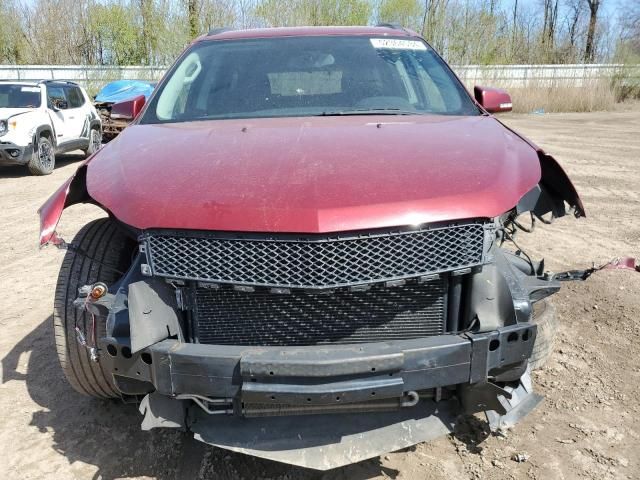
x: 73, y: 191
x: 554, y: 182
x: 557, y: 184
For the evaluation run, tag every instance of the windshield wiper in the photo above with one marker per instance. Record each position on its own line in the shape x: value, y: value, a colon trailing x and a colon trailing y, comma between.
x: 368, y: 111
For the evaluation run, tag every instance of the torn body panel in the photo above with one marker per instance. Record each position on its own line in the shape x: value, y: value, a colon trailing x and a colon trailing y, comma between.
x: 73, y: 191
x: 556, y: 185
x: 552, y: 194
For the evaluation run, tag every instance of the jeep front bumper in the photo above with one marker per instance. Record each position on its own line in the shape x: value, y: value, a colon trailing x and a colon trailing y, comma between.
x: 12, y: 154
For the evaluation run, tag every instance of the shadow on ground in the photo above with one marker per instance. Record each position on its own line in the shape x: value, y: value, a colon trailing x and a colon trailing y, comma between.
x: 18, y: 171
x: 107, y: 435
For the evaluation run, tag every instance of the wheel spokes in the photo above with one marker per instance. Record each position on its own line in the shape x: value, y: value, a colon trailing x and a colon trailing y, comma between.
x: 96, y: 140
x: 44, y: 152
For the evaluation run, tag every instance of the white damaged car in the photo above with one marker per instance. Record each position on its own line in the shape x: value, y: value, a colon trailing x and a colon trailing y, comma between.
x: 40, y: 119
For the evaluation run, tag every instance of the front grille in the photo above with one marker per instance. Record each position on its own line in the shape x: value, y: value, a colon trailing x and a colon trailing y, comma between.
x: 226, y: 316
x: 313, y: 261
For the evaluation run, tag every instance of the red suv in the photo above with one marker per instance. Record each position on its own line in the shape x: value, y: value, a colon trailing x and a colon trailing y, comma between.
x: 306, y: 251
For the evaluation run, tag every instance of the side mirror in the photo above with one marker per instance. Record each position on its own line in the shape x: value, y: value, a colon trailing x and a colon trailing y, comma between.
x: 129, y: 109
x: 493, y: 100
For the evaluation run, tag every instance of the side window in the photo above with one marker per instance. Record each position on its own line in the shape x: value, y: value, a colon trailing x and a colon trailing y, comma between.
x: 172, y: 102
x: 55, y: 95
x: 75, y: 97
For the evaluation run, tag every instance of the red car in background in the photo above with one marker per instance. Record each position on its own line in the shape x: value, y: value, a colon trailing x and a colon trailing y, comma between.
x: 115, y: 102
x: 306, y: 253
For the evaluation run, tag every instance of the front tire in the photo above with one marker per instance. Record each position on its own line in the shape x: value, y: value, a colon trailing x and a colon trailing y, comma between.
x: 43, y: 159
x: 105, y: 255
x: 544, y: 316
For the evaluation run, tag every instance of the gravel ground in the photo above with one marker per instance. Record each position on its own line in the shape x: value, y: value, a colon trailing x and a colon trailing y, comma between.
x: 588, y: 426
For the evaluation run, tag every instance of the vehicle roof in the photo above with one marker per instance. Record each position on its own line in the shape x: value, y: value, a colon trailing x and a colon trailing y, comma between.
x: 18, y: 82
x: 37, y: 83
x: 306, y: 32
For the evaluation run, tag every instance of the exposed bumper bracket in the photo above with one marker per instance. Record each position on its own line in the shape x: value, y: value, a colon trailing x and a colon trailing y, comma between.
x: 519, y: 402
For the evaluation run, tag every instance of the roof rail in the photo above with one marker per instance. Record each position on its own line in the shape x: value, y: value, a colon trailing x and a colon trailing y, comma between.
x: 58, y: 81
x: 394, y: 25
x: 218, y: 31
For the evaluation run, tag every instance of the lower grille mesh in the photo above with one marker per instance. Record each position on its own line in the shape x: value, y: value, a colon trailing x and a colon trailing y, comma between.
x: 229, y: 317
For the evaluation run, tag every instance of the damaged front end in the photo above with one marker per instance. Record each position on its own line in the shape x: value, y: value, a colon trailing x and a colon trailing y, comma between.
x: 280, y: 389
x: 321, y: 350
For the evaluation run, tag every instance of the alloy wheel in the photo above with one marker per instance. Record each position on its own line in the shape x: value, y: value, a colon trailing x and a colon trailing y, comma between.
x: 46, y: 155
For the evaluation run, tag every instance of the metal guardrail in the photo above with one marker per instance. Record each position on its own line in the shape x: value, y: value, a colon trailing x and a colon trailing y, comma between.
x: 498, y: 75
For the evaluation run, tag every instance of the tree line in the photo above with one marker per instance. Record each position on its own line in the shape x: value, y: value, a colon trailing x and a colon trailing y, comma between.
x: 154, y: 32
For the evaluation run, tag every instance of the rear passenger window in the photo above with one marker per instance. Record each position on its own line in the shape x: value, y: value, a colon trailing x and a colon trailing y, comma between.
x: 75, y: 97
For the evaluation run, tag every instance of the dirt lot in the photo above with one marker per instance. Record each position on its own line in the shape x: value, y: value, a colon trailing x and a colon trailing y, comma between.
x: 588, y: 427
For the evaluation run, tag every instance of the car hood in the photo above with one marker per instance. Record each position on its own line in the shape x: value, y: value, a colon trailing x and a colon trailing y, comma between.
x: 308, y: 175
x: 6, y: 113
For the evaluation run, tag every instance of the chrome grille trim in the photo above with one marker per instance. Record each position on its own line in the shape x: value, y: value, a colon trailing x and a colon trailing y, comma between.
x: 313, y: 261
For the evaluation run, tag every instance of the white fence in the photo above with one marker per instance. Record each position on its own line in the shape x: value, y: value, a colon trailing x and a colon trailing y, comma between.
x: 94, y: 77
x: 536, y: 75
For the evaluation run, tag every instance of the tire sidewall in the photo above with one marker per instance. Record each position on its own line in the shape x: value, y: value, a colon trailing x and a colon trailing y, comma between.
x: 92, y: 146
x: 106, y: 254
x: 544, y: 316
x: 36, y: 165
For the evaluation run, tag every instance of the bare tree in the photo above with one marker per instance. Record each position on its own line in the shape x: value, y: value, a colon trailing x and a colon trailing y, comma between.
x: 246, y: 8
x: 573, y: 20
x: 590, y: 48
x: 631, y: 33
x: 550, y: 20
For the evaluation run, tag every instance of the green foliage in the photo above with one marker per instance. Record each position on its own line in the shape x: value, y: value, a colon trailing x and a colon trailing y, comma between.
x: 338, y: 12
x: 408, y: 13
x: 115, y: 34
x: 276, y: 13
x: 154, y: 32
x: 12, y: 44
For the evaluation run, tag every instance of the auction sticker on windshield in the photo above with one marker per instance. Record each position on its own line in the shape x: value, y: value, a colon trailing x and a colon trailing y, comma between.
x: 397, y: 44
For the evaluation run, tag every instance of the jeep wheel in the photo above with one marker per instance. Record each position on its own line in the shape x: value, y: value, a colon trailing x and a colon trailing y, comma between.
x: 544, y: 316
x: 43, y: 158
x: 95, y: 142
x: 105, y: 255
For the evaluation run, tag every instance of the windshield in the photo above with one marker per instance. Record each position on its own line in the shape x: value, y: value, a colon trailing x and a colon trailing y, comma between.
x: 304, y: 76
x: 19, y: 96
